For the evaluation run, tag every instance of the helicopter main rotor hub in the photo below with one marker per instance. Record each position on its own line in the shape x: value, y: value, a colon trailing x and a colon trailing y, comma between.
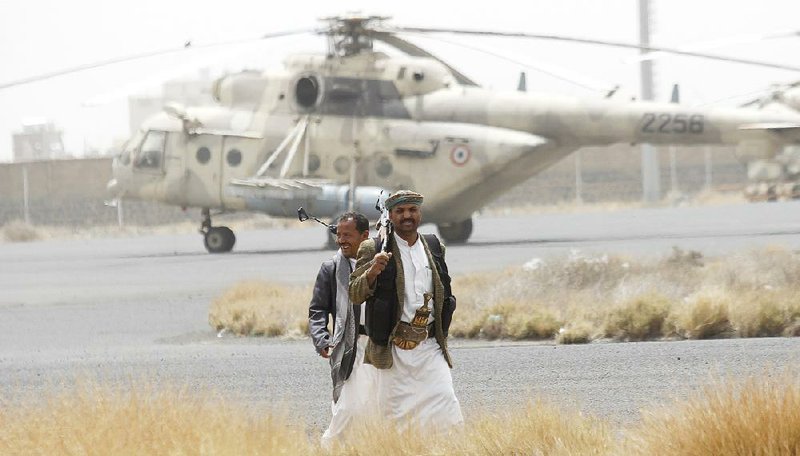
x: 351, y: 35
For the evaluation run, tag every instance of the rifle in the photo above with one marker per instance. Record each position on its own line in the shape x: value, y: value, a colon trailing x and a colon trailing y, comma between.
x: 385, y: 227
x: 303, y: 216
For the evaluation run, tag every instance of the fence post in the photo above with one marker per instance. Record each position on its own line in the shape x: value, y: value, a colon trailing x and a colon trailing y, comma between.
x: 120, y: 217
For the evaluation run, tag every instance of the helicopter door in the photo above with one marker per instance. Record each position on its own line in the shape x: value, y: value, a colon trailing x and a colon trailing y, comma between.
x: 203, y: 170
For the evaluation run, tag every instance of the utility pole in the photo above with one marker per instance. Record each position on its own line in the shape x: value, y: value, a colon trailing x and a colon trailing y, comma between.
x: 651, y: 176
x: 578, y: 178
x: 26, y: 196
x: 674, y: 191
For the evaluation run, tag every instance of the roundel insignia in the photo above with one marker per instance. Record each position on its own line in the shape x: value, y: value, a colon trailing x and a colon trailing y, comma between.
x: 460, y: 155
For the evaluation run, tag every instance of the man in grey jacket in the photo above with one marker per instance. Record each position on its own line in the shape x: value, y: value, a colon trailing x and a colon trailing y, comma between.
x: 352, y: 380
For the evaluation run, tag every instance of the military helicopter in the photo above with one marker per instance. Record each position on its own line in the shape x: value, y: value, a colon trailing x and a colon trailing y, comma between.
x: 775, y: 177
x: 334, y: 131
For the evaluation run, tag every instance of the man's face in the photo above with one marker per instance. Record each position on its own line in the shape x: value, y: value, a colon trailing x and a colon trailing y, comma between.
x: 405, y: 218
x: 348, y: 238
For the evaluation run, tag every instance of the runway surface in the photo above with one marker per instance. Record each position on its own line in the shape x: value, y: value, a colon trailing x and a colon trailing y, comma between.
x: 123, y: 309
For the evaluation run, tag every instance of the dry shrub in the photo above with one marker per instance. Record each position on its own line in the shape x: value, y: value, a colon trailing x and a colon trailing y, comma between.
x: 580, y: 332
x: 792, y: 329
x: 757, y: 416
x: 580, y: 271
x: 764, y: 314
x: 467, y: 327
x: 793, y: 314
x: 539, y: 428
x: 261, y: 309
x: 533, y: 323
x: 620, y: 298
x: 377, y: 436
x: 761, y: 416
x: 641, y: 318
x: 97, y: 420
x: 702, y: 316
x: 19, y: 231
x: 511, y: 320
x: 767, y: 268
x: 680, y: 258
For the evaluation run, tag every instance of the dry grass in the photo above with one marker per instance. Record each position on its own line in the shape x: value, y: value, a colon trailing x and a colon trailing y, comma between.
x: 509, y: 320
x: 539, y: 428
x: 261, y: 309
x: 19, y: 231
x: 578, y: 298
x: 764, y: 314
x: 97, y: 420
x: 636, y: 319
x: 576, y: 332
x: 761, y: 416
x: 702, y: 316
x: 755, y: 416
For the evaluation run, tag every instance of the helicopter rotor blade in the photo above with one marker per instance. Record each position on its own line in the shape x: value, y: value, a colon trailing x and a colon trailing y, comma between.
x: 187, y: 47
x: 416, y: 51
x: 719, y: 43
x: 618, y: 44
x: 549, y: 69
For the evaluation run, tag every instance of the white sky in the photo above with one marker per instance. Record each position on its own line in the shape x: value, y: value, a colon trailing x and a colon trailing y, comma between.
x: 38, y: 36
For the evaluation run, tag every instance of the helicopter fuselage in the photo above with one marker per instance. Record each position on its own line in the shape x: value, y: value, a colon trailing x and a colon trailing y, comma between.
x: 374, y: 122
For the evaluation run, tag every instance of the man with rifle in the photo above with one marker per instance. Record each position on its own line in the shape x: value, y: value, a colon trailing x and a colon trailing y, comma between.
x: 352, y: 380
x: 403, y: 278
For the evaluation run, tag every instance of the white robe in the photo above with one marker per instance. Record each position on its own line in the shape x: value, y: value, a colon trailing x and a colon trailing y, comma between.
x: 357, y: 399
x: 418, y: 389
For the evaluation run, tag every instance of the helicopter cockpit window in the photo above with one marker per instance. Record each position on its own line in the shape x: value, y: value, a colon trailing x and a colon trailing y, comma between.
x: 151, y: 153
x: 363, y: 98
x: 344, y: 97
x: 388, y: 101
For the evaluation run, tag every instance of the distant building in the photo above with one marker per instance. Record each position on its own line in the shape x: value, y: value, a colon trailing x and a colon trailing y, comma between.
x: 39, y: 140
x: 189, y: 92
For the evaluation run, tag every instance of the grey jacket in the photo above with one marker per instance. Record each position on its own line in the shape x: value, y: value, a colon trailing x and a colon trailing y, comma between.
x: 323, y: 306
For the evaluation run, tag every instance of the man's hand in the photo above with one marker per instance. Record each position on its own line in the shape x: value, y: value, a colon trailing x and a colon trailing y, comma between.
x: 378, y: 265
x: 325, y: 352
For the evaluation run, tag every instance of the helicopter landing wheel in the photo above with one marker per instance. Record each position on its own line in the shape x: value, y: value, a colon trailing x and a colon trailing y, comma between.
x: 219, y: 239
x: 455, y: 232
